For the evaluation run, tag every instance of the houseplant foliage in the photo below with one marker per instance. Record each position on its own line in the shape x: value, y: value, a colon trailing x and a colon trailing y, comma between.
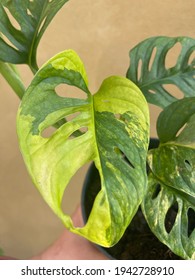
x: 97, y: 114
x: 31, y: 20
x: 22, y: 24
x: 171, y: 181
x: 155, y: 75
x: 116, y: 121
x: 110, y: 128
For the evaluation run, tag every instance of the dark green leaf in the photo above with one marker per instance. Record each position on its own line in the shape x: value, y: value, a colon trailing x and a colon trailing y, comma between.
x: 167, y: 211
x: 22, y: 24
x: 173, y: 168
x: 116, y: 124
x: 174, y: 117
x: 148, y: 69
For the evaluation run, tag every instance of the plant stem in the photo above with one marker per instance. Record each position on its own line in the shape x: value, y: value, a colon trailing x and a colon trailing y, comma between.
x: 34, y: 68
x: 10, y: 74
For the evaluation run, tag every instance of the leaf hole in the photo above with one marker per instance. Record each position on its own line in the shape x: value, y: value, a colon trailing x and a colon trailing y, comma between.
x: 152, y: 91
x: 79, y: 132
x: 67, y: 91
x: 12, y: 19
x: 181, y: 129
x: 123, y: 156
x: 191, y: 221
x: 29, y: 13
x: 188, y: 165
x: 191, y: 59
x: 74, y: 188
x: 72, y: 116
x: 48, y: 132
x: 42, y: 24
x: 84, y: 129
x: 152, y: 58
x: 7, y: 41
x: 173, y: 90
x: 171, y: 217
x: 139, y: 69
x: 128, y: 161
x: 69, y: 118
x: 172, y: 55
x: 156, y: 191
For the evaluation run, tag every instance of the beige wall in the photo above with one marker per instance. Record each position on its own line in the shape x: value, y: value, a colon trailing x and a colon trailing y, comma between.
x: 102, y: 32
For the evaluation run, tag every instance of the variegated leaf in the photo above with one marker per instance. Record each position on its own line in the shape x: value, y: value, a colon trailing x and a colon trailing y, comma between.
x: 115, y: 137
x: 171, y: 195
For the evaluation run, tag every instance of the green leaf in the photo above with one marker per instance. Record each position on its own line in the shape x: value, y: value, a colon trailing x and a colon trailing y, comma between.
x: 149, y: 72
x: 173, y: 179
x: 115, y: 122
x: 22, y: 24
x: 173, y: 118
x: 167, y: 211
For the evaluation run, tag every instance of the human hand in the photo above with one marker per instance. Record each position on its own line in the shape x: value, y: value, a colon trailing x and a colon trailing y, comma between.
x: 69, y: 246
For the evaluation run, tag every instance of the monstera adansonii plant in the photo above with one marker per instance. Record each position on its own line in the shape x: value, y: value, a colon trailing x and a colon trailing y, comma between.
x: 112, y: 128
x: 169, y: 203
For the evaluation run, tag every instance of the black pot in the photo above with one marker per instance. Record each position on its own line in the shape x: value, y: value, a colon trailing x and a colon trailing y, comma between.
x: 138, y: 242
